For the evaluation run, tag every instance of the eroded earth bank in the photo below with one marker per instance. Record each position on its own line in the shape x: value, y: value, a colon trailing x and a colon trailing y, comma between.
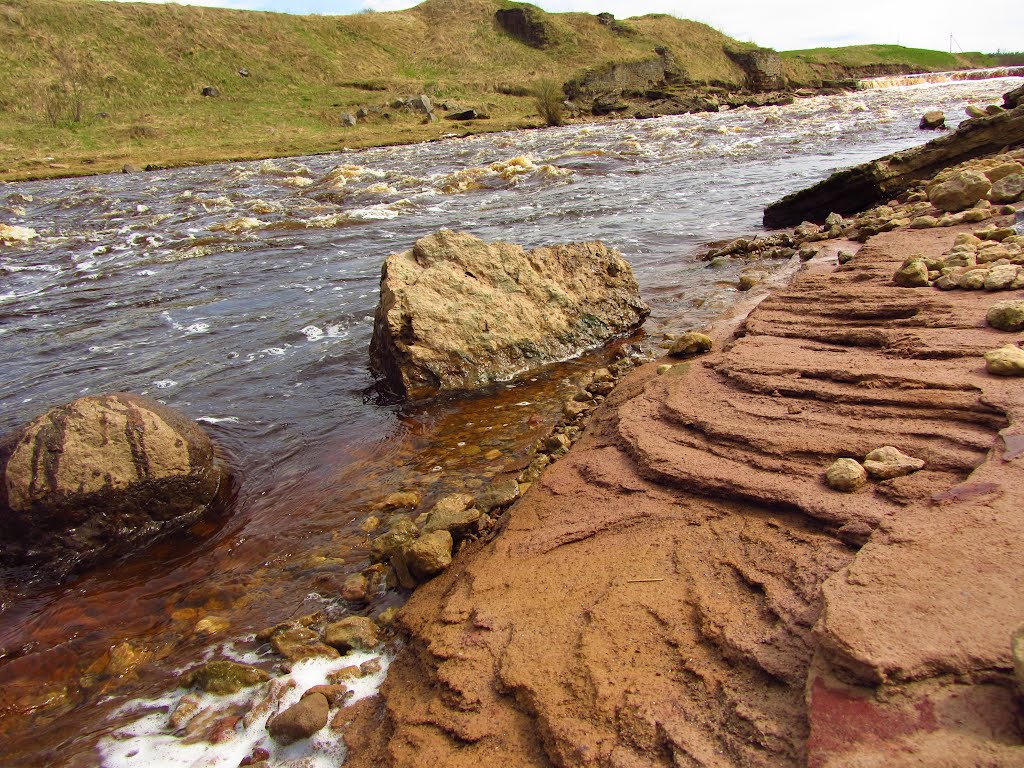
x: 683, y: 588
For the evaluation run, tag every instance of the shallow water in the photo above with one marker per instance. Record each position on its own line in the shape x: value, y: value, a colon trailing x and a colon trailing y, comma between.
x: 243, y: 295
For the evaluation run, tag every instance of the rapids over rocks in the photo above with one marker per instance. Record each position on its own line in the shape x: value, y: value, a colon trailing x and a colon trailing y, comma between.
x: 243, y: 295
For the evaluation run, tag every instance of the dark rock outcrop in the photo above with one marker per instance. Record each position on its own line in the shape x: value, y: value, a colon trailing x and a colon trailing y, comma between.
x: 763, y: 67
x: 862, y: 186
x: 456, y: 312
x: 625, y: 77
x: 99, y: 476
x: 467, y: 114
x: 527, y: 24
x: 1014, y: 98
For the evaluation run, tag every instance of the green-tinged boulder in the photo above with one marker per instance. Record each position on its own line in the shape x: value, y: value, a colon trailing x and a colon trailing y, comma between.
x: 691, y: 343
x: 1009, y: 189
x: 1006, y: 315
x: 499, y: 493
x: 353, y: 633
x: 399, y: 534
x: 913, y: 273
x: 888, y: 462
x: 973, y: 280
x: 456, y: 313
x: 1002, y: 170
x: 1001, y: 277
x: 454, y: 513
x: 1005, y: 361
x: 299, y: 643
x: 846, y: 475
x: 932, y: 121
x: 959, y: 191
x: 223, y: 677
x: 429, y: 555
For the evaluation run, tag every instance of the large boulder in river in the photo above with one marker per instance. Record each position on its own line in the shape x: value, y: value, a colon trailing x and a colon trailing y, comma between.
x: 456, y: 312
x: 99, y: 476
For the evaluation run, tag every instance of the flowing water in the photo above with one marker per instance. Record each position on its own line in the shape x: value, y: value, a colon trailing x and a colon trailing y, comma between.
x: 243, y: 295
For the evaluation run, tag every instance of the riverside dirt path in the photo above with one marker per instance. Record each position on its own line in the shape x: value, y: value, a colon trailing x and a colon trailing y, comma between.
x: 683, y: 589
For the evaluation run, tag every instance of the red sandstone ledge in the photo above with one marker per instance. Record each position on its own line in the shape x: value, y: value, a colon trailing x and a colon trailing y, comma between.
x: 683, y: 588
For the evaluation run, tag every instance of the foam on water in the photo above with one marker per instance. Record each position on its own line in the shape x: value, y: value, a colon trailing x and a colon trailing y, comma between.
x: 149, y: 741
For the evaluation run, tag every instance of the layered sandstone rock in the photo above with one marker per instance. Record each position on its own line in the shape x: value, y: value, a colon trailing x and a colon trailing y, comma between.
x: 682, y: 588
x: 456, y: 312
x: 100, y: 475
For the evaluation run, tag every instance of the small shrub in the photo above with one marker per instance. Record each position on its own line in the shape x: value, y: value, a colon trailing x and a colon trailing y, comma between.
x: 549, y: 97
x: 141, y: 132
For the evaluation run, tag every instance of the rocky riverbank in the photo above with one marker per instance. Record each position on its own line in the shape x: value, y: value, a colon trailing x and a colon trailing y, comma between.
x: 683, y: 587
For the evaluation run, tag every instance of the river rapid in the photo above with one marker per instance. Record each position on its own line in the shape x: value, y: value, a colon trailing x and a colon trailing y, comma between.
x: 243, y: 295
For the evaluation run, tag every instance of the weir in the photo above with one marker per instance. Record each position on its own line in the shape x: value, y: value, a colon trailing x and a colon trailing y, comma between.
x: 935, y: 78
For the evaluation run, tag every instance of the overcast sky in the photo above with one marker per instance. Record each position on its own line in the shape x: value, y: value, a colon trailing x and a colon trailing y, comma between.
x: 780, y: 24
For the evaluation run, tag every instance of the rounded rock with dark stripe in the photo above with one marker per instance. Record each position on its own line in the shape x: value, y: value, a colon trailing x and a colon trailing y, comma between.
x: 100, y: 476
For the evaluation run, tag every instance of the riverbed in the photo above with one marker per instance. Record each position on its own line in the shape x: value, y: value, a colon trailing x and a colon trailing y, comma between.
x: 243, y: 295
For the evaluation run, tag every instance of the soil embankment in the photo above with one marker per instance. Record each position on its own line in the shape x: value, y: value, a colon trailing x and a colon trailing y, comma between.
x: 683, y: 588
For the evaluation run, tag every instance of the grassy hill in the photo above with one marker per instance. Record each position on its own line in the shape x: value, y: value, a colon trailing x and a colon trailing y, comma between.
x: 91, y: 85
x: 815, y: 64
x: 87, y: 86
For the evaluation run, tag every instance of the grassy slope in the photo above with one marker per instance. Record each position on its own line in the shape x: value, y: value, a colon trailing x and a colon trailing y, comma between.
x: 832, y: 63
x: 145, y: 65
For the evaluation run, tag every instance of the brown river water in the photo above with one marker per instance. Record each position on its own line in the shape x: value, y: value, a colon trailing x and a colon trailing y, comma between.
x: 243, y: 295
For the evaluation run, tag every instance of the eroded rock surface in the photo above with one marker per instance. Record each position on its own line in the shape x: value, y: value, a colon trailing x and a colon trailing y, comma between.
x: 683, y: 589
x: 100, y: 475
x: 456, y: 312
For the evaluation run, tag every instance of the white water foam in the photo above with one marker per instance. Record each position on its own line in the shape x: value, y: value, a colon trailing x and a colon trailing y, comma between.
x: 150, y: 742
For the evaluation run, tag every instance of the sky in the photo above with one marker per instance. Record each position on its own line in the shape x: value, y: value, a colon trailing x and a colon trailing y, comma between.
x: 779, y: 24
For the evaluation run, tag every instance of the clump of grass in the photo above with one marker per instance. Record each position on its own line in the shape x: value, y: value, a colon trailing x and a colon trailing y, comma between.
x: 549, y: 97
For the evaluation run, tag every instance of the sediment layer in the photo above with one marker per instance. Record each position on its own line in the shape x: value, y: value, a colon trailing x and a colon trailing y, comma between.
x: 683, y: 588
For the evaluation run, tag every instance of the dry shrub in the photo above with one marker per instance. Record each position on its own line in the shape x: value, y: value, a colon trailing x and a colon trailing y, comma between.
x: 548, y: 95
x: 141, y: 132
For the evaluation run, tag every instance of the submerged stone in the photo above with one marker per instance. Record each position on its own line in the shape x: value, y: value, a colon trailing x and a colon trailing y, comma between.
x: 223, y: 677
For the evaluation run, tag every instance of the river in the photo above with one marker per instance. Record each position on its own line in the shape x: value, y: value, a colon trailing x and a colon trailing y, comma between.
x: 243, y: 295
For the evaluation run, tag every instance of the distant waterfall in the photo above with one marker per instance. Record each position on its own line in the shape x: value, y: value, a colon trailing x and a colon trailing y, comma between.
x: 894, y: 81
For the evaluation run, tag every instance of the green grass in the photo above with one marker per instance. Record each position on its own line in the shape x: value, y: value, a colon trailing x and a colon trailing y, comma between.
x: 142, y: 66
x: 813, y: 64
